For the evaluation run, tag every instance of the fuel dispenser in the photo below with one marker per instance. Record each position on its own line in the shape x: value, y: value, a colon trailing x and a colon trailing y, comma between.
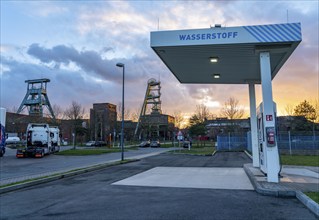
x: 267, y: 142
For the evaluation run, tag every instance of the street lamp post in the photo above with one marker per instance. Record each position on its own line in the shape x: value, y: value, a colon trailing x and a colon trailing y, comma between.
x: 122, y: 129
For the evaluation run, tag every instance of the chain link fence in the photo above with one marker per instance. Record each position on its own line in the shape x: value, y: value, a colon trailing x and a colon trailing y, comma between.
x: 301, y: 142
x: 232, y: 142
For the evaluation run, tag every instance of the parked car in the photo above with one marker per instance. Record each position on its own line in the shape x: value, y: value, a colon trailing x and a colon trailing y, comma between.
x: 90, y: 144
x: 12, y: 140
x: 144, y: 144
x: 100, y: 143
x: 95, y: 144
x: 186, y: 143
x: 155, y: 144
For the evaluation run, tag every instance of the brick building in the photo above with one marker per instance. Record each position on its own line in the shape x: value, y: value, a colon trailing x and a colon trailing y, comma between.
x: 154, y: 126
x: 102, y: 121
x: 16, y: 124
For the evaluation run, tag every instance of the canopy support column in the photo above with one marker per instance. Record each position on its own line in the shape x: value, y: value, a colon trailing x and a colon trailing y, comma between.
x: 253, y: 125
x: 271, y: 154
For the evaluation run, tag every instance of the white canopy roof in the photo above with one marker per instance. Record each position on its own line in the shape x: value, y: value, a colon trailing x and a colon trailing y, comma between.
x: 187, y: 53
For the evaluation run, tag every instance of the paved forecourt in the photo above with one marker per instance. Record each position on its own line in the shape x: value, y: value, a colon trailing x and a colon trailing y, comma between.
x: 191, y: 177
x: 94, y: 196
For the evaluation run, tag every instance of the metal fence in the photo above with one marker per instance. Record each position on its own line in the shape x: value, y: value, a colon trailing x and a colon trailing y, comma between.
x: 232, y: 141
x: 298, y: 142
x: 288, y: 143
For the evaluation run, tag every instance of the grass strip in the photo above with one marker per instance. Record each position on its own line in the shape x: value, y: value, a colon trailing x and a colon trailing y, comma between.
x: 94, y: 151
x: 314, y: 196
x: 27, y: 181
x: 300, y: 160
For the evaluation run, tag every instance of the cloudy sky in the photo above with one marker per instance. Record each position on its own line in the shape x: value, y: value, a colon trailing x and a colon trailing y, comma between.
x: 76, y: 44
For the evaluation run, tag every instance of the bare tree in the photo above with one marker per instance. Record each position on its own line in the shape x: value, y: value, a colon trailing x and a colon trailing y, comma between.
x: 127, y: 112
x: 135, y: 114
x: 196, y: 121
x: 213, y: 116
x: 202, y: 112
x: 231, y: 109
x: 201, y: 115
x: 75, y: 111
x: 178, y: 118
x: 58, y: 111
x: 14, y: 109
x: 289, y: 109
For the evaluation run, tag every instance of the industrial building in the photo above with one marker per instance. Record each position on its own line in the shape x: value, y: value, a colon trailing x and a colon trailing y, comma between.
x: 103, y: 121
x: 158, y: 126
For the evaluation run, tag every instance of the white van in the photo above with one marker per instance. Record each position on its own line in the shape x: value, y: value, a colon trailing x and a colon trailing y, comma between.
x: 12, y: 140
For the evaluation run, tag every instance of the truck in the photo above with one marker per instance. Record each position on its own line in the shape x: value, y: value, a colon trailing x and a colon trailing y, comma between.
x: 41, y: 140
x: 55, y: 137
x: 2, y: 131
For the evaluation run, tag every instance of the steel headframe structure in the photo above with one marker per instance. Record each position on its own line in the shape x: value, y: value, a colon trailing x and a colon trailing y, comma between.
x: 153, y: 98
x: 36, y: 97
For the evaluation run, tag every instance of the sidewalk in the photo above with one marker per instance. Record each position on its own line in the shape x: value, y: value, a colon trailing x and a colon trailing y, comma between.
x: 293, y: 178
x: 294, y: 181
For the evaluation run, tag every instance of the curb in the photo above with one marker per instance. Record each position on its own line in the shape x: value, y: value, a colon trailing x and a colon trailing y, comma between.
x: 267, y: 192
x: 215, y: 151
x: 248, y: 154
x: 58, y: 176
x: 304, y: 199
x: 309, y: 203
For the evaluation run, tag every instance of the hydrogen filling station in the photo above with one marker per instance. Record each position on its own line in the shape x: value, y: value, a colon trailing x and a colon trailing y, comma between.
x: 235, y: 55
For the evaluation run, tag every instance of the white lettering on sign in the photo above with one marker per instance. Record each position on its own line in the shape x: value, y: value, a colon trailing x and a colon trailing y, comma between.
x: 208, y: 36
x: 268, y: 117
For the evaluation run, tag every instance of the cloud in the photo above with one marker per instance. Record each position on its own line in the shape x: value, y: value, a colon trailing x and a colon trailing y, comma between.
x: 46, y: 9
x: 12, y: 80
x: 108, y: 32
x: 88, y: 60
x: 5, y: 48
x: 87, y: 84
x: 65, y: 85
x: 117, y: 24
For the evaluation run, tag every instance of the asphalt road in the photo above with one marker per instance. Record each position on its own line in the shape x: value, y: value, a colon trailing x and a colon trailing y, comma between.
x: 91, y: 196
x: 12, y: 168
